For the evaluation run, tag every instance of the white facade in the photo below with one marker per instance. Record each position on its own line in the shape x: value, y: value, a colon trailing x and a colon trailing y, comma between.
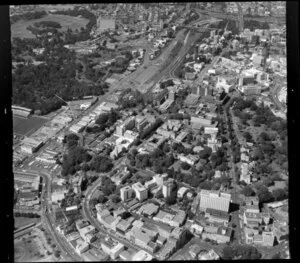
x: 141, y: 192
x: 214, y: 200
x: 126, y: 193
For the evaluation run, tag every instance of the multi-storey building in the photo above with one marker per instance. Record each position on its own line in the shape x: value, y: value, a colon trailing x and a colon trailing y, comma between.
x: 141, y: 192
x: 215, y: 200
x: 126, y: 193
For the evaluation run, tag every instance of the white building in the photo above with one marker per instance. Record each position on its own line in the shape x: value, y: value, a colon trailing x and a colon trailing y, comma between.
x: 215, y: 200
x: 167, y: 188
x: 141, y: 192
x: 126, y: 193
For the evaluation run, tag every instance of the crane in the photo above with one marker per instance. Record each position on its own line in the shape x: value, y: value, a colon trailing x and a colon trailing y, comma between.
x: 68, y: 103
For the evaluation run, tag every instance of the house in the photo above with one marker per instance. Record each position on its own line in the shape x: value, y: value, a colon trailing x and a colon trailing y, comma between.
x: 168, y: 249
x: 194, y: 251
x: 208, y: 255
x: 223, y: 235
x: 112, y: 248
x: 182, y: 191
x: 81, y: 246
x: 196, y: 229
x: 142, y: 255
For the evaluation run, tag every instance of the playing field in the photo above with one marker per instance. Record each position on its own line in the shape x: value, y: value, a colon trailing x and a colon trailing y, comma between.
x: 23, y: 221
x: 23, y: 126
x: 18, y: 29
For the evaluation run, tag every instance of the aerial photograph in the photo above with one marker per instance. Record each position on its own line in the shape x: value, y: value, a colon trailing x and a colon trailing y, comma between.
x: 150, y: 131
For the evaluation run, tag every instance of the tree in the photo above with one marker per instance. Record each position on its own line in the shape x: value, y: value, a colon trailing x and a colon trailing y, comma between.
x: 248, y: 191
x: 264, y: 137
x: 240, y: 252
x: 280, y: 194
x: 185, y: 166
x: 205, y: 153
x: 115, y: 198
x: 264, y: 195
x: 102, y: 199
x: 247, y: 136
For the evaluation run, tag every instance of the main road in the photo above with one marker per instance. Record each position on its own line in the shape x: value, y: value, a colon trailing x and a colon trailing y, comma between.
x: 88, y: 215
x: 47, y: 215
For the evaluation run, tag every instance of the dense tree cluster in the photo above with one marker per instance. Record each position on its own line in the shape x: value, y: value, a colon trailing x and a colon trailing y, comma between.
x: 240, y: 252
x: 248, y: 191
x: 191, y: 17
x: 254, y: 24
x: 73, y: 160
x: 264, y: 195
x: 28, y: 16
x: 30, y: 215
x: 131, y: 99
x: 104, y: 120
x: 157, y: 160
x: 101, y: 164
x: 87, y: 180
x: 84, y: 33
x: 35, y: 87
x: 51, y: 24
x: 107, y: 186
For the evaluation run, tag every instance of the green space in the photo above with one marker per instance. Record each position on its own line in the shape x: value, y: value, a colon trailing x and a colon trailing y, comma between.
x: 24, y: 221
x: 25, y: 126
x: 19, y: 29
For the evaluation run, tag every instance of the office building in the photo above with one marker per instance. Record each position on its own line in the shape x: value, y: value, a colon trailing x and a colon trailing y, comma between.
x: 167, y: 187
x: 215, y: 200
x: 126, y: 193
x: 141, y: 192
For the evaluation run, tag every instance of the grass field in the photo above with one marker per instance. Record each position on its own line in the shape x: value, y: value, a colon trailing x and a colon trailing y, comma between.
x: 18, y: 29
x: 23, y: 126
x: 23, y: 221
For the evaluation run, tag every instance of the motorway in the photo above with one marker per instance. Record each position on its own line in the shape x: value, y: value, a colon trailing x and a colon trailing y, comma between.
x: 220, y: 15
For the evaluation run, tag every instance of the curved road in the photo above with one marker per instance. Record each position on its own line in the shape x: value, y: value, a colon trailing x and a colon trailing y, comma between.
x: 87, y: 214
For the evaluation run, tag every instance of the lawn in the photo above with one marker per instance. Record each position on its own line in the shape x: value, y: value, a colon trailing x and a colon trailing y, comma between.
x: 18, y: 29
x: 23, y: 126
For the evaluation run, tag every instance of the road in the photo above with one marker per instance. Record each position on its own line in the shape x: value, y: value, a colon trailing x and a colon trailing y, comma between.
x: 235, y: 17
x: 64, y: 247
x: 87, y: 214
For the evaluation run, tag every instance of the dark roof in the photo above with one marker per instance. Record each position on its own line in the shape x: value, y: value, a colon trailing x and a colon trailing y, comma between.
x: 217, y: 213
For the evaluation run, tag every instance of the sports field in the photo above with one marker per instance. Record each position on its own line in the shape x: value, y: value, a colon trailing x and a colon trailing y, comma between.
x: 24, y: 221
x: 18, y: 29
x: 23, y: 126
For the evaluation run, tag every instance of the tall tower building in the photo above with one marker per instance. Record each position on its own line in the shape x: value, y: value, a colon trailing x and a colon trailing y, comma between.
x: 126, y: 193
x: 167, y: 188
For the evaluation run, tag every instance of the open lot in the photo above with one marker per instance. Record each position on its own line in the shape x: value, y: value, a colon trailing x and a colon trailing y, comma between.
x: 23, y: 126
x: 30, y: 248
x: 18, y: 29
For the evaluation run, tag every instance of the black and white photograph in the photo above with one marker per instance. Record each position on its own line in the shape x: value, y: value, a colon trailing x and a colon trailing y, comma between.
x: 149, y: 131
